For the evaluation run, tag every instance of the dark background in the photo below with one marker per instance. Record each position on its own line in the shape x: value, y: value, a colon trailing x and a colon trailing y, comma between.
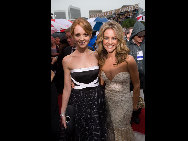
x: 25, y: 69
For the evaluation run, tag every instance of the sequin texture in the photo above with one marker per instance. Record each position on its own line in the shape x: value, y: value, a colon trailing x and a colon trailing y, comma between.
x: 89, y: 103
x: 119, y: 107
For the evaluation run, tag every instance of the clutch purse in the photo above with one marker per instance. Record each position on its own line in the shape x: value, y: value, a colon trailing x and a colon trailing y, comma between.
x: 141, y: 103
x: 135, y: 114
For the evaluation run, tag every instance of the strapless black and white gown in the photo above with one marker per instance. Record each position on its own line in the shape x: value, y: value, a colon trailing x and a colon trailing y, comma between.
x: 87, y: 97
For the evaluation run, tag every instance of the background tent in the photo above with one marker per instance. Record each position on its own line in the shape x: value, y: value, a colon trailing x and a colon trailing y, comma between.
x: 98, y: 19
x: 96, y: 23
x: 59, y: 25
x: 140, y: 18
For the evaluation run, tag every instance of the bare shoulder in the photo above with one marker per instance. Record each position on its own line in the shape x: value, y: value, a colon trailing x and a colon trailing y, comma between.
x: 131, y: 62
x: 131, y: 65
x: 130, y: 59
x: 66, y: 60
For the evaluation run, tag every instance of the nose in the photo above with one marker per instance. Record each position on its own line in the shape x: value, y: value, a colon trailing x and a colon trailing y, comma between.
x: 81, y: 38
x: 109, y: 41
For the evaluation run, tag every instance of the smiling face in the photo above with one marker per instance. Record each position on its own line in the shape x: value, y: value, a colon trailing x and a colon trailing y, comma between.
x: 80, y: 36
x: 110, y: 40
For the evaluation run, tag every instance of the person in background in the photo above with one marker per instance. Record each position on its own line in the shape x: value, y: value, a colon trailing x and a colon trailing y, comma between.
x: 137, y: 50
x: 117, y: 69
x: 54, y: 49
x: 54, y: 54
x: 71, y: 42
x: 57, y: 42
x: 128, y: 32
x: 59, y: 77
x: 87, y: 97
x: 63, y: 44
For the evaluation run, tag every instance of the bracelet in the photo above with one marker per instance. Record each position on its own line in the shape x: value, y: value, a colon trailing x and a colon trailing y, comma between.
x: 62, y: 115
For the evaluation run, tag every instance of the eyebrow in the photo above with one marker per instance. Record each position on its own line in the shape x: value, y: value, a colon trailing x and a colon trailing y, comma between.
x: 112, y: 37
x: 77, y: 33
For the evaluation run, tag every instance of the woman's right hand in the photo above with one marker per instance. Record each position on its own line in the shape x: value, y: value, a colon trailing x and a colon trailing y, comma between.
x: 63, y: 120
x: 54, y: 59
x: 52, y: 75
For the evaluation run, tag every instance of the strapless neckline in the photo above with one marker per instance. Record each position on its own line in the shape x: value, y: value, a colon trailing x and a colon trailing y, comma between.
x: 84, y: 69
x: 114, y: 75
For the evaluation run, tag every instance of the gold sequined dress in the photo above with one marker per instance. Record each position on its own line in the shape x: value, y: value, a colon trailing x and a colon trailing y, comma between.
x: 119, y: 107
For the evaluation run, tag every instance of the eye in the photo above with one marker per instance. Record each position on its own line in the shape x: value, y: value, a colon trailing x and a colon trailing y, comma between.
x: 86, y: 34
x: 105, y: 38
x: 114, y: 38
x: 77, y: 35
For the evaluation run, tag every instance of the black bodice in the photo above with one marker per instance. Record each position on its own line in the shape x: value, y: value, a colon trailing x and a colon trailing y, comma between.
x: 85, y: 77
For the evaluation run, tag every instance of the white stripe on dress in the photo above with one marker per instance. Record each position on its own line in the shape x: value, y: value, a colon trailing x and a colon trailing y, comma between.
x: 84, y: 69
x: 83, y: 85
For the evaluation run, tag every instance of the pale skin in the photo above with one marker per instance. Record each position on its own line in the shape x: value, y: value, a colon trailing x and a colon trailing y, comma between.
x: 110, y: 43
x: 84, y: 56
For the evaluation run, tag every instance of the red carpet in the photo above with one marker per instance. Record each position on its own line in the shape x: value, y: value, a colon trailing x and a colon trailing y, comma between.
x: 141, y: 126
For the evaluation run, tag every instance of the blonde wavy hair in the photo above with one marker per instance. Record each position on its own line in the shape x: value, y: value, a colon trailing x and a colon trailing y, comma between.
x: 121, y: 50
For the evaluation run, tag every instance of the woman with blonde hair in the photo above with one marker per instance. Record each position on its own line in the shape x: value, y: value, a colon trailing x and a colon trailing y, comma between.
x: 117, y: 69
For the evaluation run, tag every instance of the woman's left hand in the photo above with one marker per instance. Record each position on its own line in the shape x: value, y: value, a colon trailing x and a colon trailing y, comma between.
x: 135, y: 108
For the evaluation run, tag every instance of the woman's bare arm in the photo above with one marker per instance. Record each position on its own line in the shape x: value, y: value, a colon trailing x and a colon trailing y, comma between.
x: 67, y: 87
x: 133, y: 70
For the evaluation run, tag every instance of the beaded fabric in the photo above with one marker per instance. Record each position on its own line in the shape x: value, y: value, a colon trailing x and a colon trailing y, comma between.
x: 119, y: 107
x: 87, y: 97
